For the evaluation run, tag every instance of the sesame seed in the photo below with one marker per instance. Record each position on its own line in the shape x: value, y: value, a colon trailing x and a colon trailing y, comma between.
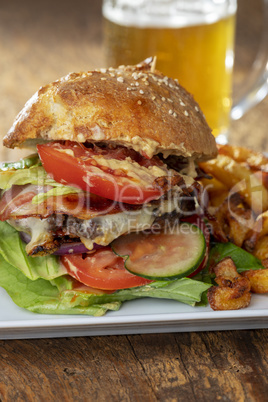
x: 121, y: 67
x: 175, y: 114
x: 196, y: 108
x: 170, y: 85
x: 139, y: 65
x: 182, y: 103
x: 170, y: 111
x: 141, y: 92
x: 111, y: 69
x: 163, y: 98
x: 176, y: 80
x: 112, y: 75
x: 103, y: 78
x: 103, y: 70
x: 153, y: 97
x: 120, y: 79
x: 139, y: 102
x: 146, y: 83
x: 158, y: 83
x: 170, y: 100
x: 186, y: 113
x: 137, y: 84
x: 129, y: 89
x: 90, y: 73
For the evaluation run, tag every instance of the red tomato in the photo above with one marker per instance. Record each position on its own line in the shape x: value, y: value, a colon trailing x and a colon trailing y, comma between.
x: 96, y: 170
x: 199, y: 222
x: 101, y: 270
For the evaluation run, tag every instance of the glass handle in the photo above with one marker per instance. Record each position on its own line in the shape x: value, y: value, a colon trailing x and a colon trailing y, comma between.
x: 256, y: 85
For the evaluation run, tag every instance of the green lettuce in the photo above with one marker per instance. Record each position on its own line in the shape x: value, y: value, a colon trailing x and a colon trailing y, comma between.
x: 41, y: 285
x: 35, y: 174
x: 242, y: 259
x: 59, y: 297
x: 40, y: 296
x: 24, y: 163
x: 12, y: 249
x: 56, y: 191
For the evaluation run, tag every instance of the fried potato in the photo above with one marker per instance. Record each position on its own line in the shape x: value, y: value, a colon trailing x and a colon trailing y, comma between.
x: 237, y: 211
x: 255, y: 160
x: 261, y: 249
x: 263, y: 177
x: 265, y: 263
x: 221, y: 169
x: 211, y: 185
x: 225, y: 268
x: 217, y: 198
x: 233, y: 290
x: 259, y: 230
x: 258, y: 280
x: 229, y: 298
x: 235, y: 218
x: 239, y: 179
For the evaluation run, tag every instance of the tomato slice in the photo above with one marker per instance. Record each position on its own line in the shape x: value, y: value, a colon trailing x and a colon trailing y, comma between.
x: 118, y: 174
x: 101, y: 270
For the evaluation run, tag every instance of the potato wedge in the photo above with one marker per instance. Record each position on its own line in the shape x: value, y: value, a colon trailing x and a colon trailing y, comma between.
x: 259, y: 230
x: 229, y: 298
x: 233, y: 290
x: 235, y: 218
x: 261, y: 249
x: 258, y: 280
x: 225, y: 268
x: 255, y: 160
x: 239, y: 179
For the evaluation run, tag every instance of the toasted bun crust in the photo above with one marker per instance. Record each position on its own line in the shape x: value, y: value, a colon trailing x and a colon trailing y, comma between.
x: 133, y: 106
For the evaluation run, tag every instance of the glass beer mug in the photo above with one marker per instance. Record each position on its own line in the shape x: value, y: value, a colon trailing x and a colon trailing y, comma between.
x: 194, y: 42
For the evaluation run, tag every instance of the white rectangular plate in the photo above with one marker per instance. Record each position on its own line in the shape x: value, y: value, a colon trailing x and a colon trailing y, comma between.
x: 134, y: 317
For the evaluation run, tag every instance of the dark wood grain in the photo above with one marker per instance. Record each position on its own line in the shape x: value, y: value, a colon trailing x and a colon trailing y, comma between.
x: 39, y: 42
x: 208, y: 366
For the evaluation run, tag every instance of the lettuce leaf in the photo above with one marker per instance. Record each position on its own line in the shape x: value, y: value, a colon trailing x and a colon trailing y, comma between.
x: 34, y: 175
x: 242, y: 259
x: 59, y: 297
x: 12, y: 249
x: 40, y: 296
x: 23, y: 163
x: 56, y: 191
x: 41, y: 285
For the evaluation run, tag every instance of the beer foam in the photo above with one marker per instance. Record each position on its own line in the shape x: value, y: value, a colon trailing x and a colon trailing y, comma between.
x: 168, y: 15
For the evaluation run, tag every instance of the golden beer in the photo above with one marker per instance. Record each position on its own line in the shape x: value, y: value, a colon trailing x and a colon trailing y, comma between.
x: 200, y: 56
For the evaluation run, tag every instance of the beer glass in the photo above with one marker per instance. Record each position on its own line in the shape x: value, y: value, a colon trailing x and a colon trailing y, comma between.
x: 194, y: 42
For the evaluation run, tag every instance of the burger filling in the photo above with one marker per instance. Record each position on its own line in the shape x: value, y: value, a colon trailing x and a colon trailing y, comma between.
x: 92, y: 195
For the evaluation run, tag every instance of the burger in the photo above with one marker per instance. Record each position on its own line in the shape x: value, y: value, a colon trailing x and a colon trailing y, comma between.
x: 107, y: 206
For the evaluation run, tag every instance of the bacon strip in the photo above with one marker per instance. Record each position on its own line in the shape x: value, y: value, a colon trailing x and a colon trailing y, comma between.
x: 16, y: 203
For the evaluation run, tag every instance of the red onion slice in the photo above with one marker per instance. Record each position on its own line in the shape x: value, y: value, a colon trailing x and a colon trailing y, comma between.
x: 65, y: 248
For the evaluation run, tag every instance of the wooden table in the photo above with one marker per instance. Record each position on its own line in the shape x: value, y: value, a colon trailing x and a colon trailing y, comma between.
x: 39, y: 42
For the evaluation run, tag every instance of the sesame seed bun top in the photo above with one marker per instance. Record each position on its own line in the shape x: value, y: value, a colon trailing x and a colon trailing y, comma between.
x: 133, y: 106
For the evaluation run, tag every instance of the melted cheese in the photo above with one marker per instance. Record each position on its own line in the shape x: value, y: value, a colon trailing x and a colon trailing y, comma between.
x: 109, y: 226
x: 141, y: 174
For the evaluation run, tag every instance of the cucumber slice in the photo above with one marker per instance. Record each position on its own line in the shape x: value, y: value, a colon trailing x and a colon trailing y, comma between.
x: 168, y: 255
